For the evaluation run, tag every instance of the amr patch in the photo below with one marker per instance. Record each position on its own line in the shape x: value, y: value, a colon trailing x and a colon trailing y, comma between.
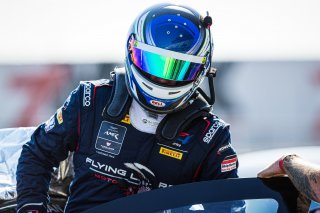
x: 110, y: 137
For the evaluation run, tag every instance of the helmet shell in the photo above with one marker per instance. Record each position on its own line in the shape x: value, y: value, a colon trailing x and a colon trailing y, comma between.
x: 175, y: 28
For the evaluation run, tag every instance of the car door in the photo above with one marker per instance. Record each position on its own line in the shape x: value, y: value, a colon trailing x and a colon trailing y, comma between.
x: 258, y: 195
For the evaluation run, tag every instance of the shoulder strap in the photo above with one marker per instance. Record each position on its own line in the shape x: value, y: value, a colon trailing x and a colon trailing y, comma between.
x: 171, y: 126
x: 120, y: 99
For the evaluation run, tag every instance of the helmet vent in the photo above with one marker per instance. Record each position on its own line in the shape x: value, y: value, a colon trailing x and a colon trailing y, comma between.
x: 150, y: 88
x: 172, y: 93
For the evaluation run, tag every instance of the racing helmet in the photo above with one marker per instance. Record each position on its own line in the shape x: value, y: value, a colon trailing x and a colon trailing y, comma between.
x: 168, y: 53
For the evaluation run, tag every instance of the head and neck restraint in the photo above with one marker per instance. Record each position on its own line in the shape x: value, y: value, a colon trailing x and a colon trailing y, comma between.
x: 199, y: 105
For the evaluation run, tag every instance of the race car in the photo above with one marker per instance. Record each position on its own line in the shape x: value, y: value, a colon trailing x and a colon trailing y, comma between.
x: 257, y: 195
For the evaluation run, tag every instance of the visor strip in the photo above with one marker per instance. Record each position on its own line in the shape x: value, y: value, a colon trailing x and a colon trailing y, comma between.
x: 169, y: 53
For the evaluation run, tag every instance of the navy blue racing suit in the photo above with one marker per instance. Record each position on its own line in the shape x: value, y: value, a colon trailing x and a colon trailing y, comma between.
x: 113, y: 159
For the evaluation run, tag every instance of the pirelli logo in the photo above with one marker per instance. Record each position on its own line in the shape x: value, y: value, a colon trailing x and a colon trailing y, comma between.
x: 171, y: 153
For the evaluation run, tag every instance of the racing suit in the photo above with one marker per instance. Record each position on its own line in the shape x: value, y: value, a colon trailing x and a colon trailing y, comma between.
x: 114, y: 159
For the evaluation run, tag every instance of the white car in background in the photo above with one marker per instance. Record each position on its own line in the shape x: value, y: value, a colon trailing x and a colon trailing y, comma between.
x: 252, y: 162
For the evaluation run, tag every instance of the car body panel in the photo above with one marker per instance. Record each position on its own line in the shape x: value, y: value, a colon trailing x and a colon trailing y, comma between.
x: 278, y: 189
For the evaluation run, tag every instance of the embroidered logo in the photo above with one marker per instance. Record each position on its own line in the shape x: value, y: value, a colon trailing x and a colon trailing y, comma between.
x: 49, y: 124
x: 229, y: 163
x: 224, y: 148
x: 87, y: 95
x: 126, y: 119
x: 112, y: 134
x: 184, y: 137
x: 59, y: 116
x: 212, y: 131
x: 66, y: 103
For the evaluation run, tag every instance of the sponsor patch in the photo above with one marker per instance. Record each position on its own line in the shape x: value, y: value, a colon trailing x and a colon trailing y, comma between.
x: 224, y: 148
x: 184, y: 137
x: 126, y: 119
x: 59, y: 116
x: 110, y: 137
x: 171, y: 153
x: 229, y: 163
x: 66, y: 103
x: 49, y: 124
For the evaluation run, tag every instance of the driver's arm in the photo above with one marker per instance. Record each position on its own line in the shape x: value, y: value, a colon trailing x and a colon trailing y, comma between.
x: 49, y: 144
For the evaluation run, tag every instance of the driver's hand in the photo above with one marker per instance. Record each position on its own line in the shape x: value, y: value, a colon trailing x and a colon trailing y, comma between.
x: 272, y: 170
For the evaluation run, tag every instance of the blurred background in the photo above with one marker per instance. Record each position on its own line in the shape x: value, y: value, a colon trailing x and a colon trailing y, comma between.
x: 267, y: 54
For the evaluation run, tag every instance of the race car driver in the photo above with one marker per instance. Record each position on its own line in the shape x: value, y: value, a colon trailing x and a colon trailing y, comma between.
x: 150, y: 127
